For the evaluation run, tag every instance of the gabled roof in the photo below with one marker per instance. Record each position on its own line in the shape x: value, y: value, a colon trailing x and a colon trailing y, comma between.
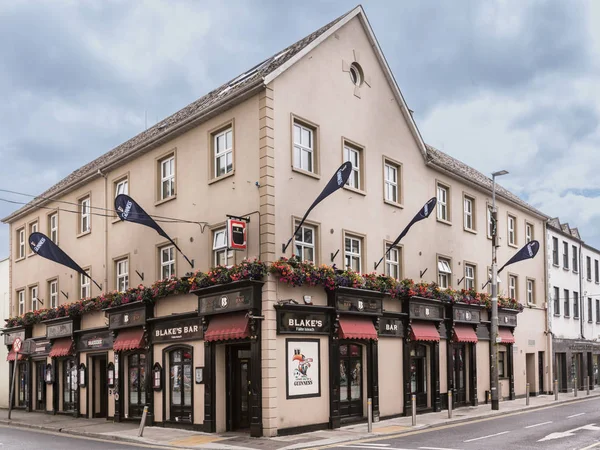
x: 564, y: 229
x: 458, y: 169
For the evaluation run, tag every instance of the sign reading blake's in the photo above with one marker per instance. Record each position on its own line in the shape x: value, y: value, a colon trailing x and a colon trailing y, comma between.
x: 128, y: 319
x: 177, y: 330
x: 302, y: 322
x: 390, y: 327
x: 358, y: 304
x: 59, y: 330
x: 100, y: 340
x: 9, y: 338
x: 226, y: 301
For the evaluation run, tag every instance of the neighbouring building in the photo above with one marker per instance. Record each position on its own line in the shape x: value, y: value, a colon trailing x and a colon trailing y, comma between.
x: 4, y: 312
x: 574, y: 306
x: 249, y: 355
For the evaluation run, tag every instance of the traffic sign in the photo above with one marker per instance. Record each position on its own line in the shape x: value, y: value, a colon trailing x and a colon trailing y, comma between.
x: 17, y: 345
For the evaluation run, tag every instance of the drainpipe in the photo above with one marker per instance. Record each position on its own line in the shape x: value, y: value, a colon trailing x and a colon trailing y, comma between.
x: 105, y: 282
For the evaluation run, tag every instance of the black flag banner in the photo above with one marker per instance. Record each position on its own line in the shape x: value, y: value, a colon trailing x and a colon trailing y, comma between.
x: 43, y: 246
x: 127, y: 209
x: 528, y: 251
x: 338, y: 180
x: 424, y: 213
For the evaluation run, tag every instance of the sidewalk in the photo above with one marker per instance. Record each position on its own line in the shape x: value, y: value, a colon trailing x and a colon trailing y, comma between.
x: 175, y: 438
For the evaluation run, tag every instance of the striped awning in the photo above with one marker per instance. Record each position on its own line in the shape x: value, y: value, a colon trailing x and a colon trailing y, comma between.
x: 132, y: 339
x: 61, y: 347
x: 11, y: 356
x: 226, y: 327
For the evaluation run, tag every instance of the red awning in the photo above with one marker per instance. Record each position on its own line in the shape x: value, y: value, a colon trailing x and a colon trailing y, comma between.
x: 464, y: 333
x: 506, y: 335
x: 226, y: 327
x: 131, y: 339
x: 11, y: 356
x: 61, y: 347
x: 424, y: 331
x: 357, y: 328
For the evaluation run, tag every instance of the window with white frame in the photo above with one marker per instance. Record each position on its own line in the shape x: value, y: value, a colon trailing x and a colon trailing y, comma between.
x: 33, y: 295
x: 53, y: 227
x: 530, y: 291
x: 21, y: 300
x: 167, y: 261
x: 353, y: 155
x: 21, y: 241
x: 442, y: 202
x: 566, y: 303
x: 84, y: 215
x: 444, y: 273
x: 304, y: 240
x: 556, y: 300
x: 512, y: 232
x: 353, y: 252
x: 392, y: 262
x: 512, y: 286
x: 490, y: 222
x: 122, y: 187
x: 565, y: 255
x: 575, y: 260
x: 596, y: 271
x: 122, y: 270
x: 469, y: 204
x: 33, y: 228
x: 391, y: 173
x: 84, y: 285
x: 221, y: 255
x: 588, y: 267
x: 555, y: 251
x: 470, y: 277
x: 528, y: 232
x: 167, y: 177
x: 575, y: 305
x: 223, y: 152
x: 53, y: 291
x: 304, y: 148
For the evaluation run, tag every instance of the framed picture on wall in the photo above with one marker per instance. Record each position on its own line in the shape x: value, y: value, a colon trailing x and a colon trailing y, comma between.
x: 303, y: 368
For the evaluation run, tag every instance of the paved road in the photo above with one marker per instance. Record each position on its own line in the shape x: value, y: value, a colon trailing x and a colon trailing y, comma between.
x: 569, y: 426
x: 23, y: 438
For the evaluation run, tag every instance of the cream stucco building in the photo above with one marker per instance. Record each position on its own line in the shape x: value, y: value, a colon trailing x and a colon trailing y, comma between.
x: 262, y: 147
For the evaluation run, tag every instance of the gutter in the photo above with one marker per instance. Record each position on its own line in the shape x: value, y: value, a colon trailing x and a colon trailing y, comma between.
x: 170, y: 133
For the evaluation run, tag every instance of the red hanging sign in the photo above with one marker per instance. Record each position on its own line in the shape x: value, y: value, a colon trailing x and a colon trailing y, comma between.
x: 236, y: 234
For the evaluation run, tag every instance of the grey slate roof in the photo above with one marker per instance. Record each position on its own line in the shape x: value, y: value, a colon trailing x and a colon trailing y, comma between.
x: 237, y: 86
x: 453, y: 165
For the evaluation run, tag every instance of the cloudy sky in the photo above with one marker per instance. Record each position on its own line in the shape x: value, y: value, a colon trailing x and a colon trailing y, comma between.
x: 498, y: 84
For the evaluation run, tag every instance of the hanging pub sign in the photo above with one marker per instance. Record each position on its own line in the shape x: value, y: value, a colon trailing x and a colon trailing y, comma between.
x: 126, y: 319
x: 466, y: 315
x: 426, y: 311
x: 177, y: 330
x: 303, y: 368
x: 41, y: 348
x: 236, y: 234
x: 507, y: 319
x: 348, y: 303
x: 99, y: 340
x: 302, y: 322
x: 226, y: 301
x: 9, y: 338
x: 390, y: 327
x: 63, y: 329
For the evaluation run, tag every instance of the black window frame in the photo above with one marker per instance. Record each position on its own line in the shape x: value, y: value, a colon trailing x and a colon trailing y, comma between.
x: 555, y: 260
x: 501, y: 363
x: 556, y: 301
x: 566, y: 304
x: 575, y: 259
x: 565, y: 255
x: 590, y: 310
x: 575, y: 305
x: 589, y: 268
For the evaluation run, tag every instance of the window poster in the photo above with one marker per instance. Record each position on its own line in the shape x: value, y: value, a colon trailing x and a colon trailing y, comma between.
x: 303, y: 365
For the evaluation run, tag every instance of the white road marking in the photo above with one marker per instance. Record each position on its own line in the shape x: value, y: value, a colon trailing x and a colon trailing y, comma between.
x: 377, y: 445
x: 367, y: 446
x: 568, y: 433
x: 538, y: 424
x: 485, y: 437
x: 575, y: 415
x: 435, y: 448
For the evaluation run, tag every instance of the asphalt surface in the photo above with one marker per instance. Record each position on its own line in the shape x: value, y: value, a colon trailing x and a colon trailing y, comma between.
x: 22, y: 438
x: 569, y: 426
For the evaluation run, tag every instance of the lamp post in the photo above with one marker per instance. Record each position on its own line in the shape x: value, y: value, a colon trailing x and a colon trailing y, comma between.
x: 494, y: 330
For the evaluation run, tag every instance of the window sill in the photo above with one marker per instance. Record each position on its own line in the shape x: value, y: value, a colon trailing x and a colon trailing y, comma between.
x: 576, y: 272
x: 85, y: 233
x: 445, y: 222
x: 589, y: 321
x: 575, y: 318
x: 357, y: 191
x: 394, y: 204
x: 566, y: 269
x: 222, y: 177
x: 22, y: 258
x: 567, y: 317
x: 306, y: 172
x: 513, y: 245
x: 31, y: 254
x: 117, y: 220
x: 555, y: 265
x: 469, y: 230
x: 556, y: 315
x: 165, y: 200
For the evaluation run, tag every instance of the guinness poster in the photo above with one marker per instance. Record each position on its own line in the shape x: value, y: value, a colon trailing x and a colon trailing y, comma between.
x: 303, y: 368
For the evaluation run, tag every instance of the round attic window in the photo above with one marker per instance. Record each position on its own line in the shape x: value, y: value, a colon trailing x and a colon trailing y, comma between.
x: 356, y: 74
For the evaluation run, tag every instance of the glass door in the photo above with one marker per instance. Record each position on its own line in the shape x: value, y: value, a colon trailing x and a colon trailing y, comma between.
x: 22, y: 384
x: 351, y: 380
x: 69, y: 385
x: 40, y: 383
x: 137, y: 384
x: 460, y: 374
x: 418, y: 373
x: 241, y: 388
x: 181, y: 385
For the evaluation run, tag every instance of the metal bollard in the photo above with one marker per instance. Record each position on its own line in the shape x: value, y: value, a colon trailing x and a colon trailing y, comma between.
x: 414, y: 410
x: 555, y: 389
x: 588, y: 385
x: 527, y: 394
x: 575, y: 386
x: 449, y: 404
x: 143, y: 422
x: 369, y: 415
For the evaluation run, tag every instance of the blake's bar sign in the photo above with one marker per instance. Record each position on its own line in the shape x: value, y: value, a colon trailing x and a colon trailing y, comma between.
x: 95, y: 341
x: 178, y: 330
x: 298, y: 322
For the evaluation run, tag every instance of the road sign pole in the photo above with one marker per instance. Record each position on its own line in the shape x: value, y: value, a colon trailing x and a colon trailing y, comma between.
x: 12, y: 385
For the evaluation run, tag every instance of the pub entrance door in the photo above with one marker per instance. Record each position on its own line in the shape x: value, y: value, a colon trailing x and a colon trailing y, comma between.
x: 40, y: 385
x: 99, y: 385
x: 459, y: 354
x: 418, y: 373
x: 351, y: 380
x: 238, y: 387
x: 180, y: 384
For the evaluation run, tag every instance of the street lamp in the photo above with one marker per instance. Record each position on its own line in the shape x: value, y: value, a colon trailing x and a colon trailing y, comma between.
x: 494, y: 336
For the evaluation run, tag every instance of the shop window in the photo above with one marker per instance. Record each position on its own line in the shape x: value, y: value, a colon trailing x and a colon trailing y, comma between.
x: 501, y: 364
x: 69, y: 385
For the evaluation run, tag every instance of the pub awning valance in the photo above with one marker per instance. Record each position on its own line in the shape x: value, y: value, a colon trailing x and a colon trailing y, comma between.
x: 61, y: 347
x: 11, y: 356
x: 506, y: 335
x: 424, y: 331
x: 357, y: 328
x: 464, y: 333
x: 131, y: 339
x: 226, y: 327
